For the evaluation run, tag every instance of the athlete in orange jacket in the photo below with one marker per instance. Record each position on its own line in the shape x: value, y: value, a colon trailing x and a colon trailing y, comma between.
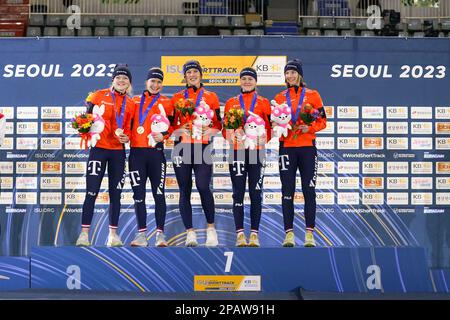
x: 195, y: 154
x: 152, y: 116
x: 298, y: 150
x: 245, y: 162
x: 116, y: 108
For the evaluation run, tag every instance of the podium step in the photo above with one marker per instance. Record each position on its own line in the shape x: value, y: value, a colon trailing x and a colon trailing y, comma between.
x: 268, y: 270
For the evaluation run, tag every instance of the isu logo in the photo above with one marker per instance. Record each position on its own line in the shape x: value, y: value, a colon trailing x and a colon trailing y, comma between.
x: 373, y: 182
x: 443, y: 167
x: 373, y: 143
x: 51, y: 127
x: 443, y: 127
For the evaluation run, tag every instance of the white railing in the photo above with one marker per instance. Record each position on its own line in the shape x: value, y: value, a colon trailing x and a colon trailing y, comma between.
x: 358, y: 8
x: 150, y: 7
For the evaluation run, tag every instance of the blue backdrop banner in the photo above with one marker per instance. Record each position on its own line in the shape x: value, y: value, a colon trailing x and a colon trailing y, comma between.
x: 384, y: 167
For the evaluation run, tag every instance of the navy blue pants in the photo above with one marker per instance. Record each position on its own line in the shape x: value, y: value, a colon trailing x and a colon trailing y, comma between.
x: 305, y: 160
x: 247, y: 163
x: 98, y: 160
x: 148, y: 163
x: 187, y: 157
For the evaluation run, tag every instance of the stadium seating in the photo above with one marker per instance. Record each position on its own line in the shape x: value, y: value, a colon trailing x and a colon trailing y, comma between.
x: 171, y: 32
x: 50, y: 32
x: 331, y: 33
x: 65, y: 32
x: 334, y: 20
x: 343, y: 23
x: 101, y: 32
x: 189, y: 32
x: 225, y: 32
x: 367, y: 33
x: 102, y: 21
x: 240, y: 32
x: 85, y: 32
x: 170, y: 21
x: 33, y: 32
x: 326, y: 23
x: 154, y: 32
x: 348, y: 33
x: 137, y: 21
x: 221, y: 22
x: 188, y: 21
x: 120, y: 32
x: 313, y: 32
x: 36, y: 20
x: 154, y: 21
x: 257, y: 32
x: 87, y: 21
x: 137, y: 32
x: 205, y: 21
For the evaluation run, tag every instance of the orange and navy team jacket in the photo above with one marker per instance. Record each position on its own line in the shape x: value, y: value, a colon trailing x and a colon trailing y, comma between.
x: 210, y: 98
x: 313, y: 98
x: 262, y: 109
x: 108, y: 138
x: 141, y: 140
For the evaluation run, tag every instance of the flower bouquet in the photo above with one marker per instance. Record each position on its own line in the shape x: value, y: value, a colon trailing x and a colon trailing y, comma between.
x: 307, y: 116
x: 234, y: 119
x: 186, y: 109
x: 83, y: 123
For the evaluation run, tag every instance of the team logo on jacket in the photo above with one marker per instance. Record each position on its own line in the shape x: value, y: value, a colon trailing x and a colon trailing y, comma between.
x: 284, y: 162
x: 94, y: 167
x: 178, y: 161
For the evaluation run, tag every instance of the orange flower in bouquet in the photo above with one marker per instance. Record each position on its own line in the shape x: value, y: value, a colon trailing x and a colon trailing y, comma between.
x: 186, y: 108
x: 307, y: 116
x: 234, y: 119
x: 83, y: 123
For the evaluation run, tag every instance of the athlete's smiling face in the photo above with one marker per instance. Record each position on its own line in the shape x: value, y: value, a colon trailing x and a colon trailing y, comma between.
x: 121, y: 83
x: 292, y: 77
x: 193, y: 77
x: 154, y: 85
x: 248, y: 83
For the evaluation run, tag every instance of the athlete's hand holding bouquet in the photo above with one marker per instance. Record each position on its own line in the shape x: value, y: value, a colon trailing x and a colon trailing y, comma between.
x: 186, y: 108
x: 307, y: 116
x: 89, y: 125
x: 233, y: 122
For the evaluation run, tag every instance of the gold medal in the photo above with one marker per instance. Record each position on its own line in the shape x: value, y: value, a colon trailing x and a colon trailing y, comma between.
x: 118, y: 131
x: 140, y: 130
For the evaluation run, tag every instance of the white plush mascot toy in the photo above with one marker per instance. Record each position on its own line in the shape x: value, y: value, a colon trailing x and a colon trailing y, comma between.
x: 254, y: 128
x: 160, y: 124
x: 98, y: 126
x: 281, y: 115
x: 204, y: 116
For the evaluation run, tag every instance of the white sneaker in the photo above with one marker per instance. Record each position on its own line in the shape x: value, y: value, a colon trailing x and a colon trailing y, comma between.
x: 191, y: 239
x: 114, y: 240
x: 253, y: 240
x: 241, y: 241
x: 211, y: 238
x: 83, y: 239
x: 140, y: 240
x: 160, y: 240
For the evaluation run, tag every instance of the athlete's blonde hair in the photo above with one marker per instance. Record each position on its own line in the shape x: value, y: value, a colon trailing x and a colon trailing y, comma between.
x: 129, y: 90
